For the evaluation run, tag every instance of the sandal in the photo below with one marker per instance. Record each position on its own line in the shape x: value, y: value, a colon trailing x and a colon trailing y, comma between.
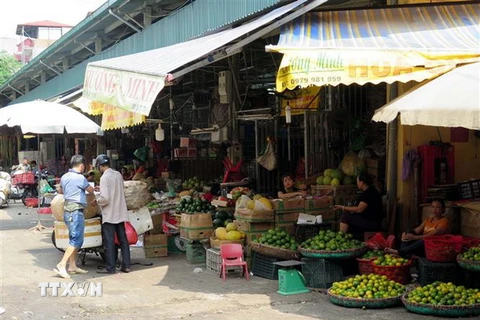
x: 62, y: 273
x: 78, y: 271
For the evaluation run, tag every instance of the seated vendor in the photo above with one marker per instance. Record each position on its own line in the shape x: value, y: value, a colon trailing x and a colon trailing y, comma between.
x: 23, y: 166
x: 367, y: 215
x: 126, y: 174
x: 435, y: 224
x: 289, y: 190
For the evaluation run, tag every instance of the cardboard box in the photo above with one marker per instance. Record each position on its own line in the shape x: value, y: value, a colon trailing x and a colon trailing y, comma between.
x: 219, y: 203
x: 319, y: 204
x: 292, y: 205
x: 327, y: 215
x: 188, y: 143
x: 255, y: 215
x: 283, y: 217
x: 155, y: 245
x: 334, y: 191
x: 157, y: 220
x: 249, y: 227
x: 196, y: 226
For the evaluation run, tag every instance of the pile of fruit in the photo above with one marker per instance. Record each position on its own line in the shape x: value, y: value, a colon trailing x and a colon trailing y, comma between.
x: 373, y: 254
x: 258, y: 202
x: 193, y: 183
x: 221, y: 218
x: 331, y: 241
x: 229, y: 232
x: 441, y: 293
x: 335, y: 177
x: 372, y: 286
x: 190, y: 205
x: 239, y: 191
x: 472, y: 254
x: 278, y: 238
x: 390, y: 261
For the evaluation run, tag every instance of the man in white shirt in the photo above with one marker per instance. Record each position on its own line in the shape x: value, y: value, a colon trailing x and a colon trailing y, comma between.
x: 114, y: 215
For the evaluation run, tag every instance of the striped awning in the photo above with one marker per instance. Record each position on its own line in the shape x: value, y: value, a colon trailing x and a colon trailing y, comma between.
x: 377, y: 45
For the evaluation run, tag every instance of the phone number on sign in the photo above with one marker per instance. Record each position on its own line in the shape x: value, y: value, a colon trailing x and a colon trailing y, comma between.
x: 306, y: 81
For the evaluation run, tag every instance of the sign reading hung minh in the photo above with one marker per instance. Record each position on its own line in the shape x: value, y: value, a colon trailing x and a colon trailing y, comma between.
x: 130, y: 91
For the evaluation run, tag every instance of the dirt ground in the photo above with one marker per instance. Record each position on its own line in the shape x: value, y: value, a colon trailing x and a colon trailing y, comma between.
x: 168, y: 289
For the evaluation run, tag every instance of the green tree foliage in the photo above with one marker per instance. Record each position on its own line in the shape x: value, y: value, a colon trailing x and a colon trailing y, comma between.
x: 8, y: 66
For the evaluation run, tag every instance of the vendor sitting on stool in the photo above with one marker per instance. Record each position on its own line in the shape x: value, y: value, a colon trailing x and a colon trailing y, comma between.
x: 289, y: 190
x: 412, y: 241
x: 367, y: 215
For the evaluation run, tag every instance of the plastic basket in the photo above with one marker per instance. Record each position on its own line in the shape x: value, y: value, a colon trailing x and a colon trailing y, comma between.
x: 469, y: 189
x: 441, y: 310
x: 31, y: 202
x: 24, y: 178
x: 275, y: 252
x: 322, y: 273
x: 339, y: 254
x: 400, y: 274
x: 442, y: 248
x: 468, y: 264
x: 469, y: 242
x: 364, y: 303
x: 263, y: 266
x: 365, y: 266
x: 46, y: 210
x: 429, y: 272
x: 214, y: 262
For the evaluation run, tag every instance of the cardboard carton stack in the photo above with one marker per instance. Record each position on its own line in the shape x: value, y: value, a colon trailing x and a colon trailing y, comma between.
x: 193, y: 228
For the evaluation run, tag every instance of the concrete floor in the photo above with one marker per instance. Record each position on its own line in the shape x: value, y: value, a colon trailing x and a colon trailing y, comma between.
x: 168, y: 289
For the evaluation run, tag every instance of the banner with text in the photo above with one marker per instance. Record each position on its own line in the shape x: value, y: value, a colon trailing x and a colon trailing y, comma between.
x: 127, y: 90
x: 307, y: 98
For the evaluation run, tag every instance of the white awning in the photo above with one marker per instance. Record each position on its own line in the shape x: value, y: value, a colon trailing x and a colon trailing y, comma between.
x: 133, y: 82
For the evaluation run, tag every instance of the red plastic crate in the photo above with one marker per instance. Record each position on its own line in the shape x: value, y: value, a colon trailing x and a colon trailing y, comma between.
x: 46, y: 210
x: 31, y: 202
x: 442, y: 248
x: 24, y: 178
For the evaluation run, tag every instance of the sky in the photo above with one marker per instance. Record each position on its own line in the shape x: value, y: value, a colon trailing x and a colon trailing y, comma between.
x: 71, y: 12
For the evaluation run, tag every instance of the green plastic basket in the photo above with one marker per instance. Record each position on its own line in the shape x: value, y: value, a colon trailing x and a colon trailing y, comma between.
x: 364, y: 303
x: 339, y: 254
x: 441, y: 310
x: 468, y: 264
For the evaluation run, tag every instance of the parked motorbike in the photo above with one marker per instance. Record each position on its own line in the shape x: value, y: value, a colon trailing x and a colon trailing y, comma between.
x: 28, y: 188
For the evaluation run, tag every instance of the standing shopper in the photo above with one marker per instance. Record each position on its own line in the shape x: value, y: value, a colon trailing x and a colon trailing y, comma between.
x: 114, y: 215
x: 73, y: 186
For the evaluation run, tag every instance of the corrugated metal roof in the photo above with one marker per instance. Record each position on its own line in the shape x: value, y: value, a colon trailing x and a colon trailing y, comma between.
x: 189, y: 22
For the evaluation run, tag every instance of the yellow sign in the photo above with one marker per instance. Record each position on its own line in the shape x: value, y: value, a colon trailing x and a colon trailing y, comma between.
x: 115, y: 118
x: 307, y: 98
x: 331, y: 67
x: 112, y: 117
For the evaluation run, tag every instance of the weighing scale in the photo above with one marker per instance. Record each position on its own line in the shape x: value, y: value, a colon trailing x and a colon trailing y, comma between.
x: 290, y: 280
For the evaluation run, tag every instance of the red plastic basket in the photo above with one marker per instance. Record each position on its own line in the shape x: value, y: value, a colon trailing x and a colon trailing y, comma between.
x: 24, y: 178
x: 442, y: 248
x: 365, y: 265
x: 400, y: 274
x: 46, y: 210
x: 31, y: 202
x: 469, y: 242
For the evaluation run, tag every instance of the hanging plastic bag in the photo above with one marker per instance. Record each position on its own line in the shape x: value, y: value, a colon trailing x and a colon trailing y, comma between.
x: 132, y: 235
x: 268, y: 160
x: 45, y: 187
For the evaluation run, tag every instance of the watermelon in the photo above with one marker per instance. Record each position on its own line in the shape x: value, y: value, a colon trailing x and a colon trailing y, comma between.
x: 222, y: 215
x: 217, y: 223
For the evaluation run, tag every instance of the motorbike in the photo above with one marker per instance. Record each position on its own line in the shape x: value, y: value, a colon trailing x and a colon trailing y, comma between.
x: 23, y: 189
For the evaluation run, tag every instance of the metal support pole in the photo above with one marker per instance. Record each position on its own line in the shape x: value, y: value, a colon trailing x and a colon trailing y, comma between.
x: 50, y: 68
x: 171, y: 134
x: 392, y: 158
x: 289, y: 147
x: 306, y: 142
x: 123, y: 20
x: 257, y: 168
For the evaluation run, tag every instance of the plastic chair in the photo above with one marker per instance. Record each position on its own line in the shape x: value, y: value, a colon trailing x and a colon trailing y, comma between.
x: 232, y: 255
